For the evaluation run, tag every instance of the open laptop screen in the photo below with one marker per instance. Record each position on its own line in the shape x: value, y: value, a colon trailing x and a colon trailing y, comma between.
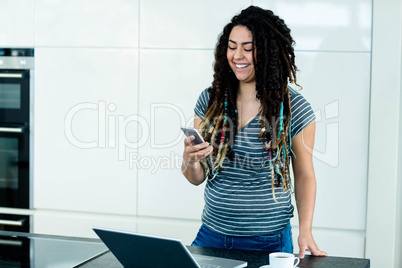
x: 140, y: 250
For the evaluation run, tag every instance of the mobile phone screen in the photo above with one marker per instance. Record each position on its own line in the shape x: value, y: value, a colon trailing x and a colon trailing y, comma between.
x: 192, y: 131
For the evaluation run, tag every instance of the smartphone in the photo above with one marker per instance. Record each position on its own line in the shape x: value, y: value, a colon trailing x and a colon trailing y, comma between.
x: 192, y: 131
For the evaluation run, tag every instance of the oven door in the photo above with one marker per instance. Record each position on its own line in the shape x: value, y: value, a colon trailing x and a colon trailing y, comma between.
x: 14, y: 166
x: 14, y: 96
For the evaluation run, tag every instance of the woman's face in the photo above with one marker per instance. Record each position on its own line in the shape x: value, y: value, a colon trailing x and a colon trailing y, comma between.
x: 240, y: 54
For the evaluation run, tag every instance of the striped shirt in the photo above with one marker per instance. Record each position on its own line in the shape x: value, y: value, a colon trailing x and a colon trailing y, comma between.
x: 239, y: 200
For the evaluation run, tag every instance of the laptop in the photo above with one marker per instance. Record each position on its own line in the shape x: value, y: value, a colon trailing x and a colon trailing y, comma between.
x: 140, y: 250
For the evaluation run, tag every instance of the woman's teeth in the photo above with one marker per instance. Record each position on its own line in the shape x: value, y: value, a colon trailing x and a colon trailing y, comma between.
x: 241, y: 66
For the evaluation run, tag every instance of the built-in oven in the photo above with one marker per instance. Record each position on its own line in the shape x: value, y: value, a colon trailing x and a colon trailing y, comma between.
x: 14, y: 94
x: 14, y: 162
x: 16, y: 90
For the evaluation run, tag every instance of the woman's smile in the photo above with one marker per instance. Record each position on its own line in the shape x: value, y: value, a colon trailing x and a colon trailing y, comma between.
x: 241, y: 66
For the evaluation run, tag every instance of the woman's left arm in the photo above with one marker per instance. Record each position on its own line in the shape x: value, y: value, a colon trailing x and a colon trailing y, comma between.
x: 305, y: 188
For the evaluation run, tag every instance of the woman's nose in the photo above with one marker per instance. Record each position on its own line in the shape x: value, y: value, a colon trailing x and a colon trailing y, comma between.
x: 238, y: 55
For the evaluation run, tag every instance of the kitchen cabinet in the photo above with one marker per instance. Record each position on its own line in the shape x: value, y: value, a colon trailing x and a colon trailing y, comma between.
x: 71, y: 223
x: 17, y: 20
x: 79, y: 150
x: 199, y: 25
x: 105, y: 24
x: 327, y: 25
x: 168, y: 103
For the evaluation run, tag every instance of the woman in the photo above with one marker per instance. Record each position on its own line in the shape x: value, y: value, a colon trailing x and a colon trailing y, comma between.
x: 253, y: 124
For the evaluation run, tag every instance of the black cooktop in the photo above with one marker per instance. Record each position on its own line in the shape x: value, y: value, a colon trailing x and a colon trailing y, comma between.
x: 46, y: 251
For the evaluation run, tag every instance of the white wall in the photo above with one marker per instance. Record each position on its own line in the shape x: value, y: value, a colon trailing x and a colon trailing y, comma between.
x: 383, y: 209
x: 398, y: 223
x: 137, y: 68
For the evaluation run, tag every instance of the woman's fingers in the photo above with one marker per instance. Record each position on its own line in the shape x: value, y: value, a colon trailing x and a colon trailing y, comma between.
x: 188, y: 140
x: 196, y: 152
x: 199, y: 154
x: 197, y: 147
x: 318, y: 252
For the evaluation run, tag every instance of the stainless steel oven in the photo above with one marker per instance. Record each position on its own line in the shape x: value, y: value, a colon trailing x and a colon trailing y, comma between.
x: 16, y: 86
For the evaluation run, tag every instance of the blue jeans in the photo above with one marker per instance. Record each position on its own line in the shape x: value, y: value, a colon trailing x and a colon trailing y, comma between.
x: 280, y: 241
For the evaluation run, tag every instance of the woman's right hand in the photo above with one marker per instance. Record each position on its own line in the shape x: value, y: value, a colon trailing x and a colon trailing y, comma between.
x: 194, y: 153
x: 191, y: 166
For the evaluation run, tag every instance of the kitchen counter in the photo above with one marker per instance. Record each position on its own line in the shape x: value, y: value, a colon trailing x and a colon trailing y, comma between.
x: 34, y: 250
x: 255, y: 259
x: 51, y: 251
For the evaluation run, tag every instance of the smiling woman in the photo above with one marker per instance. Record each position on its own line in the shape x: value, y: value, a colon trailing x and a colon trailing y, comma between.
x: 251, y: 122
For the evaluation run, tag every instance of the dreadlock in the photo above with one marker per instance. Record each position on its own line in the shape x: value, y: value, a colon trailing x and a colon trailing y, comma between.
x: 274, y: 63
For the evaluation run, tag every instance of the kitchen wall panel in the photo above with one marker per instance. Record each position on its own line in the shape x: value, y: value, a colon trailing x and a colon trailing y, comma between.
x: 79, y: 224
x: 168, y: 103
x: 185, y: 24
x: 110, y: 23
x: 336, y: 242
x: 338, y: 87
x: 326, y: 25
x: 85, y: 104
x: 17, y: 20
x: 183, y: 229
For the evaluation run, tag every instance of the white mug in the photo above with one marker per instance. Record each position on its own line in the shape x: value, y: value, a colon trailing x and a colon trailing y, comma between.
x: 283, y: 260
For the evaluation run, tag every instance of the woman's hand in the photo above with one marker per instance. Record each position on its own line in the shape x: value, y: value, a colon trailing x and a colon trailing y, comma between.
x: 307, y: 243
x: 191, y: 166
x: 194, y: 153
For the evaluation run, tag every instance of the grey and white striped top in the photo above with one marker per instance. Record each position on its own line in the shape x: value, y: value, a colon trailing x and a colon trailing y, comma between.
x: 239, y: 200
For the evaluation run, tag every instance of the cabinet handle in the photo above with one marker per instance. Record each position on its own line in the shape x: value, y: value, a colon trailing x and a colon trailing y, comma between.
x: 7, y: 75
x: 17, y: 243
x: 12, y: 129
x: 12, y: 223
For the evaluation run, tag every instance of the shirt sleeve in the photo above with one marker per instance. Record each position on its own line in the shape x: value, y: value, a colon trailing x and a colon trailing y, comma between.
x: 302, y: 112
x: 202, y: 104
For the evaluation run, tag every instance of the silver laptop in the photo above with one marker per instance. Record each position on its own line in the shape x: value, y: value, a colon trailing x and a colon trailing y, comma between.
x: 140, y: 250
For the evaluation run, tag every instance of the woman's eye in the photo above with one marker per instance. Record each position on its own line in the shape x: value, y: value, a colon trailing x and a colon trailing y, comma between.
x: 248, y: 50
x: 232, y: 48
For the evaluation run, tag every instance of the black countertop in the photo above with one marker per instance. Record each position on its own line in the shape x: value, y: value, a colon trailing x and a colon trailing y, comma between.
x: 254, y: 259
x: 101, y: 258
x: 26, y: 250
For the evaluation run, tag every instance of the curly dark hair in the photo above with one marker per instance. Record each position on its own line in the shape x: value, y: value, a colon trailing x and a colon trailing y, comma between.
x: 274, y: 62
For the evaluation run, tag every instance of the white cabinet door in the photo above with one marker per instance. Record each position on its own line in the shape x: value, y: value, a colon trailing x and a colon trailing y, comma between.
x: 79, y: 224
x: 185, y: 230
x: 17, y: 23
x: 85, y: 106
x: 185, y: 24
x: 325, y: 25
x: 168, y: 103
x: 74, y: 23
